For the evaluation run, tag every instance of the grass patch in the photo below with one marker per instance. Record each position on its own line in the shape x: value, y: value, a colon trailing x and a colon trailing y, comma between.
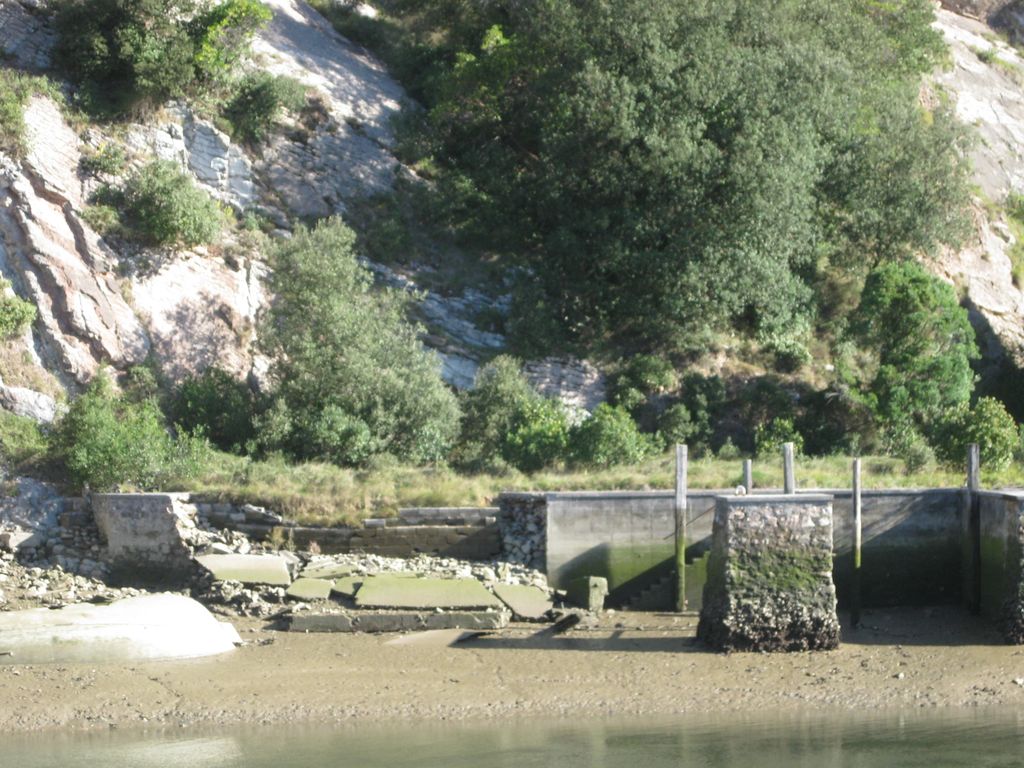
x: 19, y: 369
x: 323, y: 494
x: 1015, y: 220
x: 22, y: 443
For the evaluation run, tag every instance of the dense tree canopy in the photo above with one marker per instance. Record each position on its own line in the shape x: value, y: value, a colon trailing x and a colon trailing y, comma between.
x: 671, y: 167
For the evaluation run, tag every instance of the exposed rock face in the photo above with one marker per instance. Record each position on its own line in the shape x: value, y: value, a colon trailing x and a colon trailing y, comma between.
x: 57, y: 261
x: 221, y: 167
x: 29, y: 403
x: 988, y: 96
x: 200, y: 312
x: 577, y: 383
x: 769, y: 582
x: 27, y: 38
x: 348, y: 153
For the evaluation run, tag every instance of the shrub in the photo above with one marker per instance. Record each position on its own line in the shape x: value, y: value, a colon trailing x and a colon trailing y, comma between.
x: 539, y: 437
x: 218, y: 405
x: 109, y: 159
x: 221, y: 36
x: 165, y: 207
x: 107, y: 442
x: 335, y: 343
x: 609, y: 437
x: 917, y: 455
x: 704, y: 397
x: 988, y: 424
x: 676, y: 425
x: 338, y: 437
x: 16, y: 314
x: 258, y: 101
x: 642, y: 376
x: 770, y: 437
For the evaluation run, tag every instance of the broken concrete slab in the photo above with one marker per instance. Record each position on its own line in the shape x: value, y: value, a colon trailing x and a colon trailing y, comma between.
x: 248, y: 569
x: 527, y: 603
x: 326, y: 570
x: 387, y: 591
x: 160, y: 626
x: 310, y: 589
x: 348, y: 585
x: 588, y: 592
x: 17, y: 540
x: 399, y: 621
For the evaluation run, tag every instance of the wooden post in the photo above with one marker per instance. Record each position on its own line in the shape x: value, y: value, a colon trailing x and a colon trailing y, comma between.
x: 789, y: 478
x: 972, y: 588
x: 680, y: 514
x: 855, y: 597
x: 748, y: 475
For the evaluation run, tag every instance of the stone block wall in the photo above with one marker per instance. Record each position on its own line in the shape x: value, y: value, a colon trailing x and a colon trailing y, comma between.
x: 769, y: 582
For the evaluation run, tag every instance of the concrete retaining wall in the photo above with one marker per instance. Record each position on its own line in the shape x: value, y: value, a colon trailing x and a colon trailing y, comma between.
x: 911, y: 551
x: 1001, y: 549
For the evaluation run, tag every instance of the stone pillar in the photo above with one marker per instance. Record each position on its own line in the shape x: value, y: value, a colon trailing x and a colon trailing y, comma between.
x: 769, y: 584
x: 148, y: 535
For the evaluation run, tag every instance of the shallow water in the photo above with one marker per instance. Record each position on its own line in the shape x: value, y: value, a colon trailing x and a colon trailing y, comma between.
x: 977, y: 738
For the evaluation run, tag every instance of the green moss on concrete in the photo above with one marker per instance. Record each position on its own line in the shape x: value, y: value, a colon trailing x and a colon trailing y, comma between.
x: 792, y: 571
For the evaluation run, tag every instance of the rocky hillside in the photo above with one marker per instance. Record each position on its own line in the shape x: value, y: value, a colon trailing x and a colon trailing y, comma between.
x: 186, y: 310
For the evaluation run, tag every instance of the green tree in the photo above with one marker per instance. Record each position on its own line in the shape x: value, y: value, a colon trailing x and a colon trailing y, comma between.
x: 345, y: 357
x: 490, y: 411
x: 922, y: 342
x: 219, y: 406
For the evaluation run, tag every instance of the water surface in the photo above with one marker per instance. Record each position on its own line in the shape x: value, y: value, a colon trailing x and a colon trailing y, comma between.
x: 976, y: 738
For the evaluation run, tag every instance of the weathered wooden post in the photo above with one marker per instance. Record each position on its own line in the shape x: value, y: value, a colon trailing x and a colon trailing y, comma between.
x: 789, y: 477
x: 855, y: 597
x: 748, y: 475
x: 680, y: 515
x: 972, y: 589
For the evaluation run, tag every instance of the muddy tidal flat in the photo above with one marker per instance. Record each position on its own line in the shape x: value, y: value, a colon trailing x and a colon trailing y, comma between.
x: 630, y: 664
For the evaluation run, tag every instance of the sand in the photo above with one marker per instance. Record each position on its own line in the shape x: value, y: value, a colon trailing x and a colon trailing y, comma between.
x: 632, y: 664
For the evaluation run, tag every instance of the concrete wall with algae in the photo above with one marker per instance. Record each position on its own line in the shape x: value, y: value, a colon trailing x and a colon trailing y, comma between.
x: 911, y: 551
x: 1001, y: 573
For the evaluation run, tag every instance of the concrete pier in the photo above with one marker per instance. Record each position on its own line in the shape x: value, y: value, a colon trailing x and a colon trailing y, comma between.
x: 769, y: 584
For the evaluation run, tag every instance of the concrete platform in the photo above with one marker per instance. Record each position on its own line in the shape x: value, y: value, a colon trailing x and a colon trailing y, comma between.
x: 389, y: 591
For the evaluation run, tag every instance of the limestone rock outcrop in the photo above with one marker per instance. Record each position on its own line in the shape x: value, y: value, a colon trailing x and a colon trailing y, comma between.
x: 348, y: 152
x: 54, y: 259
